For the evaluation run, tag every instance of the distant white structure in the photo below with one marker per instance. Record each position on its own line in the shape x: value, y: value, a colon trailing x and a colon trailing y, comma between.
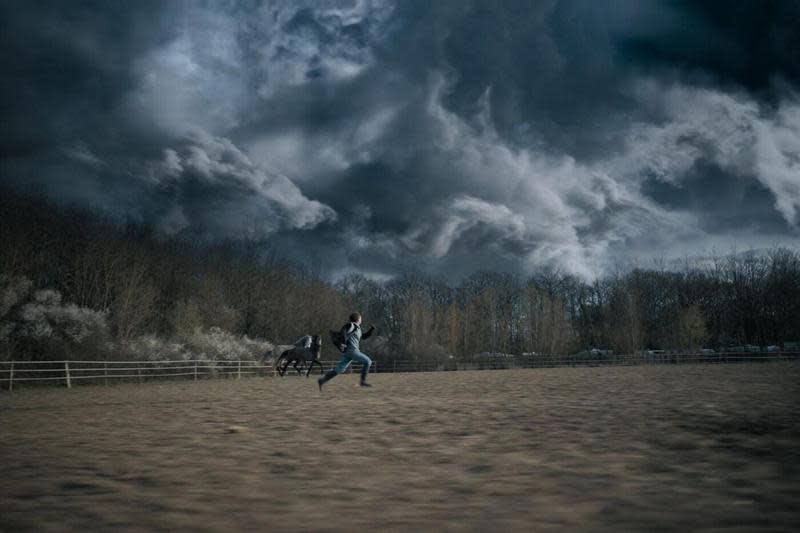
x: 595, y: 352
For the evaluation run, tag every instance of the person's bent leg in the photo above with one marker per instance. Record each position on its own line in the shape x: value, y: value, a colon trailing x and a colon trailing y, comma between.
x: 338, y: 369
x: 366, y: 363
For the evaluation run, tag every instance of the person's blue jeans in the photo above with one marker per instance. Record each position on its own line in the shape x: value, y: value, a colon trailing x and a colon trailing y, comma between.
x: 352, y: 355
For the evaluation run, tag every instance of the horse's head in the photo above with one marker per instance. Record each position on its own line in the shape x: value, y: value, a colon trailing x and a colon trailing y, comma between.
x: 316, y: 346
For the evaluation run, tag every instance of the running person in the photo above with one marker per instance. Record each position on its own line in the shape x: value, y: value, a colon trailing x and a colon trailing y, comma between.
x: 352, y: 338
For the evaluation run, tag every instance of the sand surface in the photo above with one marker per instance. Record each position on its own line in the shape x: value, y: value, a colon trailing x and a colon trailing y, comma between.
x: 662, y: 448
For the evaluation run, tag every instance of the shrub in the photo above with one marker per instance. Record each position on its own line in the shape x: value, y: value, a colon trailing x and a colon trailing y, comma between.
x: 218, y: 344
x: 41, y: 326
x: 45, y: 316
x: 213, y: 344
x: 13, y: 290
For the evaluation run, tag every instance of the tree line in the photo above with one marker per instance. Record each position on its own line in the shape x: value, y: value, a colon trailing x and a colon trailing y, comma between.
x: 73, y: 280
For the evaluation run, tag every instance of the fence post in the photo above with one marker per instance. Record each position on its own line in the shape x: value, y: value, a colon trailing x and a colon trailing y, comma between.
x: 66, y: 373
x: 139, y: 371
x: 195, y: 370
x: 394, y: 366
x: 11, y: 377
x: 239, y: 371
x: 105, y: 372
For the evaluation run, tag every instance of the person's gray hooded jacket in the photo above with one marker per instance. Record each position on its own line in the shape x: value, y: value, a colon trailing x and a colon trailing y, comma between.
x: 352, y: 335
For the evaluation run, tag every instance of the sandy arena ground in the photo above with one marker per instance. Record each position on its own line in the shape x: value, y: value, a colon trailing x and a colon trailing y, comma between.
x: 664, y: 448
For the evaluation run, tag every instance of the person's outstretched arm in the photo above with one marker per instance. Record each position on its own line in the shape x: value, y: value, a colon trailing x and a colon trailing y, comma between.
x: 369, y: 332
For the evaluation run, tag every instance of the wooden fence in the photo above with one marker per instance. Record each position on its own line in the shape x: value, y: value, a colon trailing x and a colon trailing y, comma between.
x: 69, y: 373
x: 555, y: 361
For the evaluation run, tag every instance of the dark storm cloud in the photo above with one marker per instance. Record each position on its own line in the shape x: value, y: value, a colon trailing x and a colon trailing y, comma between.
x: 446, y: 136
x: 722, y: 203
x: 747, y: 43
x: 65, y: 65
x: 98, y: 113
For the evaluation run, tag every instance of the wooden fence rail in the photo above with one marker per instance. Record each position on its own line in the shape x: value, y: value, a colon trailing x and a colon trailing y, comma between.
x: 73, y: 372
x: 555, y: 361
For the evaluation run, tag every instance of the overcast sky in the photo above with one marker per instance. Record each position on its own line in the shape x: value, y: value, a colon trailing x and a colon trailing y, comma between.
x: 443, y: 136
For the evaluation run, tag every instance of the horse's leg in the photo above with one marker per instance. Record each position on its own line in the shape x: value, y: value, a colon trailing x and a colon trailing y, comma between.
x: 311, y: 366
x: 285, y: 365
x: 299, y: 372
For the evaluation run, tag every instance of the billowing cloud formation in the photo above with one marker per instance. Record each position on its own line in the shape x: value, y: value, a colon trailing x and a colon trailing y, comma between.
x: 219, y: 192
x: 446, y: 136
x: 730, y: 131
x: 521, y: 203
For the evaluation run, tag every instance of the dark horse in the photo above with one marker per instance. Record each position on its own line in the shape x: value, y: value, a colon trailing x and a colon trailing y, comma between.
x: 307, y: 349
